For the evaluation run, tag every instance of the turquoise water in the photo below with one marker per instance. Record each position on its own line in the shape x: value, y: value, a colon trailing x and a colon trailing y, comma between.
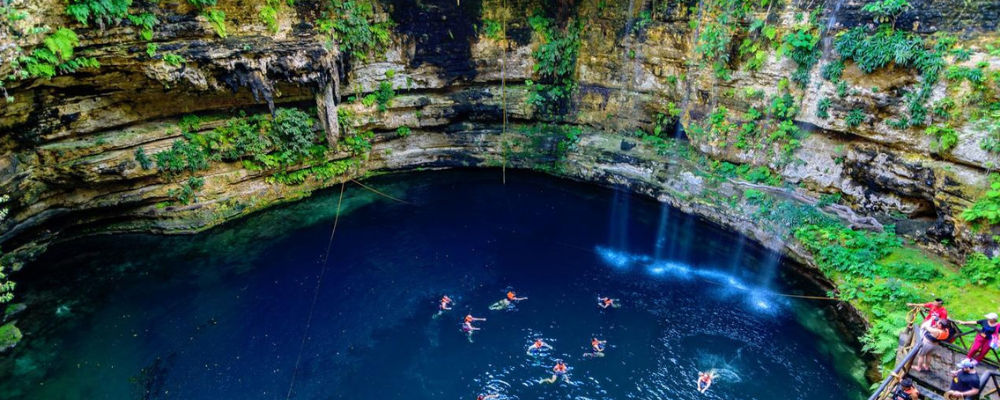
x: 222, y: 314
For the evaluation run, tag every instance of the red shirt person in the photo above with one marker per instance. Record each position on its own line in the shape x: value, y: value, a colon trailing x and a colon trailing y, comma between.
x: 934, y: 309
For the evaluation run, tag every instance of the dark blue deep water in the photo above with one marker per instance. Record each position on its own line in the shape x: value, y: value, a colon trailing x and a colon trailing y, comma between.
x: 222, y: 314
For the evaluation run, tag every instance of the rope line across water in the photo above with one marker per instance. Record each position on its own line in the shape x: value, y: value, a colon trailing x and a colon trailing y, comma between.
x: 319, y: 281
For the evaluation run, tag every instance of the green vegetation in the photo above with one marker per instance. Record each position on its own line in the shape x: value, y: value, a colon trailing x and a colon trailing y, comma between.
x: 871, y: 51
x: 555, y: 63
x: 143, y: 159
x: 173, y: 59
x: 823, y: 108
x: 103, y: 12
x: 987, y: 207
x: 403, y: 131
x: 259, y: 142
x: 217, y: 18
x: 855, y: 118
x: 350, y: 24
x: 145, y: 21
x: 269, y: 13
x: 188, y: 191
x: 800, y: 45
x: 6, y: 285
x: 56, y: 56
x: 945, y: 137
x: 10, y: 335
x: 151, y: 49
x: 729, y: 19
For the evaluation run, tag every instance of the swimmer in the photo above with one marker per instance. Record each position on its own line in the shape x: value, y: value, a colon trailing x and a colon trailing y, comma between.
x: 537, y: 346
x: 605, y: 302
x: 598, y: 346
x: 558, y: 371
x: 503, y: 304
x: 488, y: 397
x: 511, y: 297
x: 445, y: 305
x: 467, y: 325
x: 705, y: 380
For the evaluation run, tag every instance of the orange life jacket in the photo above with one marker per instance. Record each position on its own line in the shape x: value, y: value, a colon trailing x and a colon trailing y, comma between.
x: 511, y: 296
x: 468, y: 318
x: 559, y: 368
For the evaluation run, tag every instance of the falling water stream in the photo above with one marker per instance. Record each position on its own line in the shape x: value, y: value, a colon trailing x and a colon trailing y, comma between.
x: 221, y: 314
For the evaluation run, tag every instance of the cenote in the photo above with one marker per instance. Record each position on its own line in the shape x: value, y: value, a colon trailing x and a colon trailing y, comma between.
x: 222, y: 314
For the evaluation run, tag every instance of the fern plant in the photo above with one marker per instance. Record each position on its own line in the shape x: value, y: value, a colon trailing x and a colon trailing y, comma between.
x: 217, y: 18
x: 855, y: 118
x: 351, y: 25
x: 103, y: 12
x: 145, y: 21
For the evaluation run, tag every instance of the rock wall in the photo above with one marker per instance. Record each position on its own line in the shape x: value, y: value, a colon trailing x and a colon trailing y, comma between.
x: 67, y: 152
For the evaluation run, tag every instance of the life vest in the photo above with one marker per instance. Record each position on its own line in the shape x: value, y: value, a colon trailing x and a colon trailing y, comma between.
x: 607, y: 301
x: 511, y: 296
x: 468, y: 319
x: 902, y: 394
x: 559, y: 368
x: 537, y: 344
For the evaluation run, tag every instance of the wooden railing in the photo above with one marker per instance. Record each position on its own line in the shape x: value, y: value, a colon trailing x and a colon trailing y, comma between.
x: 988, y: 381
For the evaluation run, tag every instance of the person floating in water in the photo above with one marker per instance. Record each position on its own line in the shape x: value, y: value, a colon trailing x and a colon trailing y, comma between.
x: 705, y: 380
x: 507, y: 302
x: 558, y: 371
x: 445, y: 305
x: 598, y: 346
x: 488, y: 396
x: 605, y: 302
x: 537, y: 347
x: 512, y: 297
x: 467, y: 325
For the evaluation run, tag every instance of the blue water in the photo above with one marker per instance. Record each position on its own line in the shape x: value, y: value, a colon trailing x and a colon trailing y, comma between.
x: 222, y: 314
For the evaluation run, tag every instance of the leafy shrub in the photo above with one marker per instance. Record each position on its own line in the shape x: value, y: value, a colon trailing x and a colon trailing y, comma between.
x: 294, y: 134
x: 201, y: 4
x: 403, y: 131
x: 55, y: 56
x: 833, y: 71
x: 915, y: 271
x: 980, y: 269
x: 800, y: 46
x: 384, y: 95
x: 986, y: 208
x: 351, y: 24
x: 855, y: 118
x: 173, y: 59
x: 182, y: 156
x: 6, y: 285
x: 143, y: 159
x: 104, y: 12
x: 151, y: 49
x: 555, y: 63
x: 269, y: 14
x: 359, y: 143
x: 886, y: 11
x: 217, y: 18
x: 823, y: 107
x: 945, y: 136
x: 188, y: 191
x: 145, y: 21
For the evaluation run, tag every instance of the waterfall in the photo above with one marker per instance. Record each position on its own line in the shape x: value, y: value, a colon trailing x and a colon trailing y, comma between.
x: 831, y: 23
x: 619, y: 220
x: 661, y: 231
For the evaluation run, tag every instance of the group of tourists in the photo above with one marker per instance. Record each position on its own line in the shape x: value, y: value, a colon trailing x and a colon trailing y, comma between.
x: 560, y: 371
x: 937, y: 329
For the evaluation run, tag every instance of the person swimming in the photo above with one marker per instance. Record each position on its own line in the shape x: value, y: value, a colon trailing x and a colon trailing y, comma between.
x: 488, y: 396
x: 705, y: 380
x: 444, y: 305
x: 512, y: 297
x: 467, y: 325
x: 598, y: 347
x: 558, y: 371
x: 537, y: 347
x: 605, y: 302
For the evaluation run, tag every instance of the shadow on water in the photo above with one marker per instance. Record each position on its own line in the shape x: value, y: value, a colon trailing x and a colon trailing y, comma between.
x: 221, y: 314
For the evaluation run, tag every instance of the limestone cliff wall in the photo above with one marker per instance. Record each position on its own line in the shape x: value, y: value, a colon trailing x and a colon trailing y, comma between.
x: 67, y: 150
